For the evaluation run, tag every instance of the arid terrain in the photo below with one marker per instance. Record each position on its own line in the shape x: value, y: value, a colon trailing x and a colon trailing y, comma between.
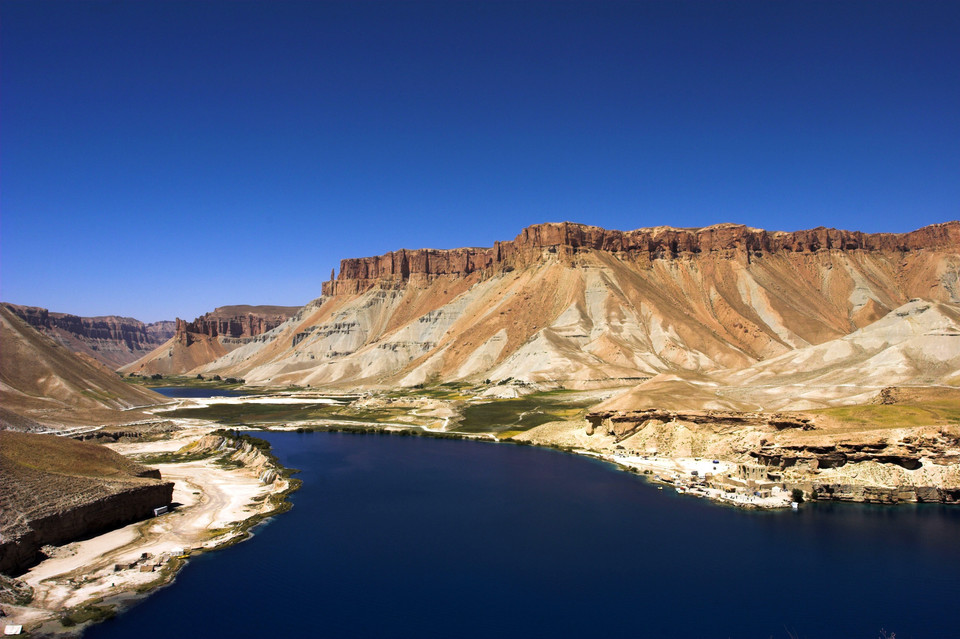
x: 209, y: 337
x: 750, y: 367
x: 219, y: 487
x: 111, y: 340
x: 44, y: 385
x: 582, y: 307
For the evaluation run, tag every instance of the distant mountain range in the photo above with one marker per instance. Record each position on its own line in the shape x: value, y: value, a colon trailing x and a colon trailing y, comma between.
x: 209, y: 337
x: 44, y: 383
x: 111, y: 340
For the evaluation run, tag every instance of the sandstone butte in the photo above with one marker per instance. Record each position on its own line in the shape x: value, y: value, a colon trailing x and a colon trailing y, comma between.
x: 583, y: 307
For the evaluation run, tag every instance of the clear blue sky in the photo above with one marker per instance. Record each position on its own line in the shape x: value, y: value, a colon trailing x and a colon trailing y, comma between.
x: 159, y: 159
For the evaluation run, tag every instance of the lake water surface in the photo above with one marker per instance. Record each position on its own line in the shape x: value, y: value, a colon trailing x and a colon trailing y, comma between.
x: 415, y: 537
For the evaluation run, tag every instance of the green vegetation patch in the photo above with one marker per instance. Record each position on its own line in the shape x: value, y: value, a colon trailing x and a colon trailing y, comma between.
x: 522, y: 413
x: 87, y: 613
x: 449, y: 391
x: 245, y: 414
x: 240, y: 414
x: 149, y: 459
x: 932, y: 413
x: 157, y: 380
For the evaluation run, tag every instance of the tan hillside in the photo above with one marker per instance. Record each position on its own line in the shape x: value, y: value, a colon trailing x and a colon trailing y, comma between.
x: 111, y: 340
x: 918, y: 344
x: 43, y: 382
x: 209, y: 337
x: 579, y: 306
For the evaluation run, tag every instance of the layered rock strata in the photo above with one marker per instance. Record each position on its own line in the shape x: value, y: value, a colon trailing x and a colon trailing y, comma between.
x: 209, y: 337
x: 235, y: 321
x: 583, y: 307
x: 731, y: 240
x: 111, y: 340
x: 797, y: 450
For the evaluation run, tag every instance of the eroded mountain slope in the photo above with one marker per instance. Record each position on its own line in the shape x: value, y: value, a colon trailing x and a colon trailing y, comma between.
x: 918, y: 344
x: 581, y: 306
x: 111, y: 340
x: 43, y: 382
x: 208, y: 337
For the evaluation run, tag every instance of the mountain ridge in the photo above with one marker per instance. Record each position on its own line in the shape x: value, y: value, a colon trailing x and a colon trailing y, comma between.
x: 567, y: 304
x: 111, y: 339
x: 209, y: 337
x: 659, y: 242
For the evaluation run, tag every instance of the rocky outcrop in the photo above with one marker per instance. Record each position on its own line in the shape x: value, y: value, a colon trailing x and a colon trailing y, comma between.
x: 910, y: 451
x: 235, y: 321
x: 54, y: 490
x: 566, y: 238
x: 623, y: 424
x: 111, y: 511
x: 245, y: 451
x: 209, y: 337
x: 112, y: 340
x: 796, y: 450
x: 880, y: 494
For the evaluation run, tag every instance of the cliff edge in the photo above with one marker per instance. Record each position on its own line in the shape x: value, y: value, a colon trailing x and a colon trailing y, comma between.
x: 54, y: 489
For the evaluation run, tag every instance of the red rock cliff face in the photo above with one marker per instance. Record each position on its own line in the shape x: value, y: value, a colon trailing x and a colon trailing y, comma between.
x: 396, y: 268
x: 235, y: 321
x: 112, y: 340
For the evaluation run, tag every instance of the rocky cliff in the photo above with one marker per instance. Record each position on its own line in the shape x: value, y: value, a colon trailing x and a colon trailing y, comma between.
x: 54, y: 490
x: 731, y: 240
x: 209, y: 337
x: 113, y: 341
x: 235, y: 321
x: 580, y: 306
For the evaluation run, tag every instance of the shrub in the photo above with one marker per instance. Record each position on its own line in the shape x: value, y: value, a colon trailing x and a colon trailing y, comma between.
x: 797, y: 495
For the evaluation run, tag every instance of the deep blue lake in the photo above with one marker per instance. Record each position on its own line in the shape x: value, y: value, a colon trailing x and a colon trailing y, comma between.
x: 415, y: 537
x: 186, y: 391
